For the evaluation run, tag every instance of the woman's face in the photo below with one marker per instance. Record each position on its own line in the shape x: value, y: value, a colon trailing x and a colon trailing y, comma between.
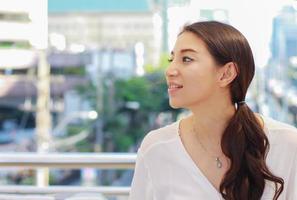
x: 192, y: 73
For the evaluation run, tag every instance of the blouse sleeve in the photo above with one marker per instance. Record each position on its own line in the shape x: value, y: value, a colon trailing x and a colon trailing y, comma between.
x: 292, y: 183
x: 141, y: 187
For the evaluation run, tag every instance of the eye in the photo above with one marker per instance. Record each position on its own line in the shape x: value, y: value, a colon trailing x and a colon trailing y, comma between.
x: 170, y: 60
x: 187, y: 59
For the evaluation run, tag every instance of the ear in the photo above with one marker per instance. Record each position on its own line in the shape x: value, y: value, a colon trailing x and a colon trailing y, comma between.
x: 227, y: 74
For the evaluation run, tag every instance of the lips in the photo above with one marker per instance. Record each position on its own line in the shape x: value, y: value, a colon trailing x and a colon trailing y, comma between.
x: 174, y: 87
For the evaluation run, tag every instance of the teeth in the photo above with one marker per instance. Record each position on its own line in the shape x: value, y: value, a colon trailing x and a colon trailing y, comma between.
x: 175, y: 86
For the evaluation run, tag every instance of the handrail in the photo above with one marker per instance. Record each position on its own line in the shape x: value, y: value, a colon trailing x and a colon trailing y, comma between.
x: 105, y: 190
x: 69, y: 160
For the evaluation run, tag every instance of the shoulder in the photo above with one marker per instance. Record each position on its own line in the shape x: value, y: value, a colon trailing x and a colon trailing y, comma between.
x: 281, y: 132
x: 159, y: 136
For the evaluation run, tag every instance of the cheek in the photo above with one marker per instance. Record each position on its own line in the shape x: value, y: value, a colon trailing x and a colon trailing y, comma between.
x: 195, y: 90
x: 200, y: 86
x: 200, y: 81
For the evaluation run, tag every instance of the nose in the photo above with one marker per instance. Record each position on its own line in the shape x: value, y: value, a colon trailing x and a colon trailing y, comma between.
x: 171, y: 71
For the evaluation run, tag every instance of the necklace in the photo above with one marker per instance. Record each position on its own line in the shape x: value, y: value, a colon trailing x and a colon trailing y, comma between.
x: 219, y: 163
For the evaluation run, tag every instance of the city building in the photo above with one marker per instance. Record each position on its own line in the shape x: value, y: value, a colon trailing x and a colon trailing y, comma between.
x: 282, y: 66
x: 75, y: 26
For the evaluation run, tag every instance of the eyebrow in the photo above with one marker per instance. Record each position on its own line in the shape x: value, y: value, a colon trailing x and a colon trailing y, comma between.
x: 185, y: 50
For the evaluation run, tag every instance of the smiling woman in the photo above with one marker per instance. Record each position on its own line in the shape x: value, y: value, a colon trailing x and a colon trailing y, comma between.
x: 222, y: 150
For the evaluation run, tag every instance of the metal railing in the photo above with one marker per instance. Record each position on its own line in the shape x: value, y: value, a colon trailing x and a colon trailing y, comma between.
x: 69, y: 161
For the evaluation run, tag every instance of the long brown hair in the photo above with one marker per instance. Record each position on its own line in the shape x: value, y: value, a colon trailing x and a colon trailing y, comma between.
x: 243, y: 141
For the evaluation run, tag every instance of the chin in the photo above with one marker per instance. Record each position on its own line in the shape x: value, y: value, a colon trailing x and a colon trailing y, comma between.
x: 175, y: 105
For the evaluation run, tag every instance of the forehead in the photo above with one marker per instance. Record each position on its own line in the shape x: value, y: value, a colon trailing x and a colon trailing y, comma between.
x: 188, y: 40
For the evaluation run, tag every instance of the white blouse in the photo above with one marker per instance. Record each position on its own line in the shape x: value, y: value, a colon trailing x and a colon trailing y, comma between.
x: 165, y: 171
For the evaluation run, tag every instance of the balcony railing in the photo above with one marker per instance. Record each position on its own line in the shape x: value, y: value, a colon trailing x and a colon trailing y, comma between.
x: 70, y: 161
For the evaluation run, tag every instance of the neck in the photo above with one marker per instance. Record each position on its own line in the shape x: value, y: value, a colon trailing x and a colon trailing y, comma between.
x: 211, y: 120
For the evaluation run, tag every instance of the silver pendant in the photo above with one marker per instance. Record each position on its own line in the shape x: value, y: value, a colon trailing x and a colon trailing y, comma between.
x: 219, y: 163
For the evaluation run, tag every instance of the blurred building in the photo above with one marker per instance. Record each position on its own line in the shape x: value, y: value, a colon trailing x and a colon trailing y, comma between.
x: 19, y: 39
x: 282, y: 68
x: 16, y: 53
x: 23, y: 32
x: 89, y: 24
x: 284, y: 41
x: 104, y: 38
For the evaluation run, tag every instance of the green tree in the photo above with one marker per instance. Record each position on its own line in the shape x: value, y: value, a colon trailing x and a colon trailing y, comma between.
x: 125, y: 125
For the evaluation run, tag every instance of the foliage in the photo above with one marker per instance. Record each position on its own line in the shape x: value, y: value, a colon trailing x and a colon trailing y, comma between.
x: 69, y: 70
x: 162, y: 65
x: 125, y: 125
x: 84, y: 145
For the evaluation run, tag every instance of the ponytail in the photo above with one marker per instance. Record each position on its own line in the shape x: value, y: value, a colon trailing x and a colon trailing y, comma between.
x: 245, y: 143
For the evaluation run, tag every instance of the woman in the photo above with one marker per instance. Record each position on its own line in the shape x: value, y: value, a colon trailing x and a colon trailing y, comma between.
x: 223, y: 150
